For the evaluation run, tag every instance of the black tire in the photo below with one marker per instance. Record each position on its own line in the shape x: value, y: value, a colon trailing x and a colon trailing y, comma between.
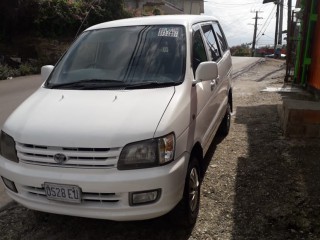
x: 186, y: 212
x: 226, y: 122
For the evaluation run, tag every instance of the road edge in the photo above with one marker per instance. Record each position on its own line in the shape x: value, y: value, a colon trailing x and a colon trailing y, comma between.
x: 7, y: 205
x: 247, y: 68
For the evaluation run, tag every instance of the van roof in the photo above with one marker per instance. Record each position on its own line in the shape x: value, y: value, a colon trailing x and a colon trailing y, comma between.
x: 155, y: 20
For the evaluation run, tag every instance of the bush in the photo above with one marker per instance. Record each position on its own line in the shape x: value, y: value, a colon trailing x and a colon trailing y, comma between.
x: 156, y: 11
x: 27, y: 69
x: 241, y: 50
x: 24, y: 69
x: 55, y: 18
x: 6, y: 72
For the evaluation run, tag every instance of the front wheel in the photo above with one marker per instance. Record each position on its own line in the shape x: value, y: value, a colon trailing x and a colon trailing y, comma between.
x: 226, y: 122
x: 186, y: 212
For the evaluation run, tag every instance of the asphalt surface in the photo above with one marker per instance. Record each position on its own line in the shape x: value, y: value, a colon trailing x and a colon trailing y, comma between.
x: 14, y: 91
x: 243, y: 64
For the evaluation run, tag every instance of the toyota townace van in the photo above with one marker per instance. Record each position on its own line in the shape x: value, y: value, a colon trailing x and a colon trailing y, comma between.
x: 122, y: 122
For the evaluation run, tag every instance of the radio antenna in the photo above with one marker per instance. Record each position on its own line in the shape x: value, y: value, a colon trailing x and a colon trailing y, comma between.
x: 85, y: 18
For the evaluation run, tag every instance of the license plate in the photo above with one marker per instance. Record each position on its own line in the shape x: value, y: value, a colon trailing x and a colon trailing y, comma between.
x: 62, y: 192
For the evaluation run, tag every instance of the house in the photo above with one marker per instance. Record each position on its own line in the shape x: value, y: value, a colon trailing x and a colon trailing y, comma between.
x: 301, y: 115
x: 307, y: 60
x: 147, y: 7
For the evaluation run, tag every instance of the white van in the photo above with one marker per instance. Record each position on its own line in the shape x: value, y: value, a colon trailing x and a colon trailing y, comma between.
x: 120, y: 127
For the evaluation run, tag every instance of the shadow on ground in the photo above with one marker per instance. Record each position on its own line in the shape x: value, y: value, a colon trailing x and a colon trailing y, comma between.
x: 30, y: 225
x: 278, y: 184
x: 37, y: 225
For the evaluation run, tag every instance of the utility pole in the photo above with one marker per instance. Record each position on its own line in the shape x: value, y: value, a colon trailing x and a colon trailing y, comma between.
x: 289, y: 42
x: 277, y: 25
x: 280, y: 23
x: 277, y: 39
x: 255, y: 35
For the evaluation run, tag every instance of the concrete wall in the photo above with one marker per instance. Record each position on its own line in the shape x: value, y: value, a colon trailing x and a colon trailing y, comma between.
x: 300, y: 119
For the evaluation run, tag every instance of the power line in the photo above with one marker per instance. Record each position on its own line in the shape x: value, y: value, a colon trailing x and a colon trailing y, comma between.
x: 236, y: 20
x: 231, y: 4
x: 269, y: 18
x: 267, y: 36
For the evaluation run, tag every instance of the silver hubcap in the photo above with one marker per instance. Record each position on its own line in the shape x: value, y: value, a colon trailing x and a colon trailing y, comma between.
x: 193, y: 189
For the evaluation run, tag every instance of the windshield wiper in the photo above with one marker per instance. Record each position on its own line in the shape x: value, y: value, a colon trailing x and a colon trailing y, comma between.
x: 93, y: 84
x: 88, y: 84
x: 141, y: 85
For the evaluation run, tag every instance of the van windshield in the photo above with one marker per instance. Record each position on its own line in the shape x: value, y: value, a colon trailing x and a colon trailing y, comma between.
x: 135, y: 56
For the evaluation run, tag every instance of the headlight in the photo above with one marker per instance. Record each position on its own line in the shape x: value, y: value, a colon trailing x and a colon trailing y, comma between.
x: 8, y: 147
x: 149, y: 153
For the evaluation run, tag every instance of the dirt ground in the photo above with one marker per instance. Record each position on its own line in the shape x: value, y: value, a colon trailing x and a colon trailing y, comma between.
x: 258, y: 185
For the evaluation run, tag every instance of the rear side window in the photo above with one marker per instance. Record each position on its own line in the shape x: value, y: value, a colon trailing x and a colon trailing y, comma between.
x: 211, y: 42
x: 220, y: 36
x: 198, y: 51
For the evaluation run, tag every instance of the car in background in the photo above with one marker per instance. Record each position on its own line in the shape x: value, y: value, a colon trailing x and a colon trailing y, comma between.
x: 283, y: 56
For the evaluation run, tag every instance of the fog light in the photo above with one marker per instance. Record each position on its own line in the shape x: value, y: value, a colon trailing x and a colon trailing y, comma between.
x: 9, y: 184
x: 138, y: 198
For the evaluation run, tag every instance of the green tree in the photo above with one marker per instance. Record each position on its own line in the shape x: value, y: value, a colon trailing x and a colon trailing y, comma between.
x: 240, y: 50
x: 57, y: 16
x: 16, y: 17
x: 54, y: 18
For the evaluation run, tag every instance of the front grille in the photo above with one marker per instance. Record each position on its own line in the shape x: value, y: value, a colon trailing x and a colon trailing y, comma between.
x: 76, y: 157
x: 86, y: 197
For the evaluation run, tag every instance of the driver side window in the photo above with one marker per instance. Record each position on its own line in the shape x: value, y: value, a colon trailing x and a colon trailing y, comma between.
x: 198, y: 51
x: 211, y: 42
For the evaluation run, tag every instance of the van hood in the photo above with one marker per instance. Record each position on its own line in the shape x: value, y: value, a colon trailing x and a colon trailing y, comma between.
x: 88, y: 118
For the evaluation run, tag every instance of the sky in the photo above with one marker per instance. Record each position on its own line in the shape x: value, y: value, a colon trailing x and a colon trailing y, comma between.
x: 237, y: 19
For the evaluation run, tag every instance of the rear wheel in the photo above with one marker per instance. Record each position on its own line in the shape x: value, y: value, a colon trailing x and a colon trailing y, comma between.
x: 187, y: 210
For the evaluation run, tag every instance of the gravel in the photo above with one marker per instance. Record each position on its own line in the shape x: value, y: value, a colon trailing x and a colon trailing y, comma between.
x: 258, y: 184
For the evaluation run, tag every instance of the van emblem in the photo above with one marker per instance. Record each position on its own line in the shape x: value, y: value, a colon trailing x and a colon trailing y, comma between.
x: 60, y: 158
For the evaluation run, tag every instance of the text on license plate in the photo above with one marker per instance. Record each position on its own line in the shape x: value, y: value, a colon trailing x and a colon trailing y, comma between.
x: 62, y: 192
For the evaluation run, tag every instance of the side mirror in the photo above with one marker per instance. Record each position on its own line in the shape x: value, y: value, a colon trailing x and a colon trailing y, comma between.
x: 206, y: 71
x: 45, y: 72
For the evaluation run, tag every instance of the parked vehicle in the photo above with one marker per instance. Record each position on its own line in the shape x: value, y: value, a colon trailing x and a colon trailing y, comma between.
x: 282, y: 56
x: 120, y: 127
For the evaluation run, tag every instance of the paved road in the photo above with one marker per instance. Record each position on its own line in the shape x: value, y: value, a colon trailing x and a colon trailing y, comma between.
x: 14, y: 91
x: 242, y: 64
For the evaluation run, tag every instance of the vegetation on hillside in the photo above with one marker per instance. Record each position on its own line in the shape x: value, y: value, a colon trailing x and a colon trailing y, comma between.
x: 55, y: 18
x: 28, y: 28
x: 241, y: 50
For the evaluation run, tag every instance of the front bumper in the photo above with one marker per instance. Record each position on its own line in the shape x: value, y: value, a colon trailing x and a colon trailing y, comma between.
x: 105, y: 192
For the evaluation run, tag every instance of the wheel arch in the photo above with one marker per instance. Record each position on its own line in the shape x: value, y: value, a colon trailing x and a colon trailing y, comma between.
x: 230, y: 99
x: 197, y: 152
